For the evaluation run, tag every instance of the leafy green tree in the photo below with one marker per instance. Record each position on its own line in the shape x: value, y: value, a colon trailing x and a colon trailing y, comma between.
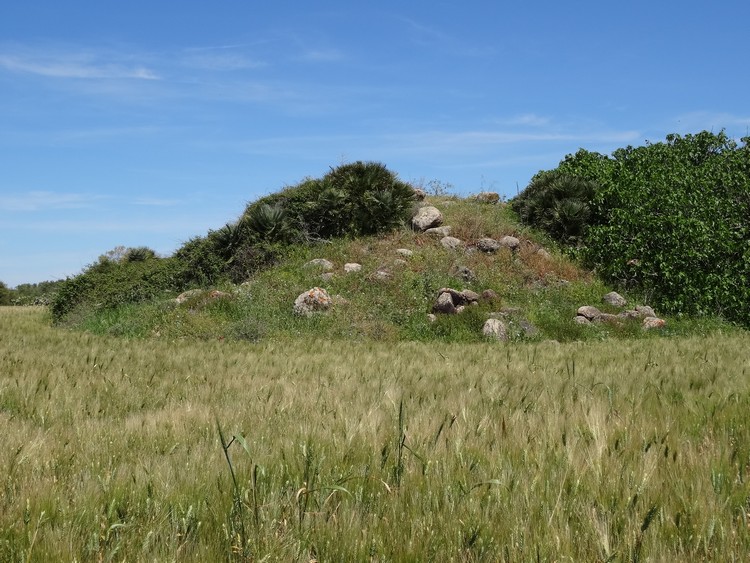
x: 5, y: 294
x: 671, y: 219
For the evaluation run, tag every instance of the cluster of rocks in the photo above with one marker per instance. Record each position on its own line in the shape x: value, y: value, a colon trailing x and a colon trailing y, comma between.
x: 588, y: 314
x: 429, y: 220
x: 452, y: 302
x: 501, y: 325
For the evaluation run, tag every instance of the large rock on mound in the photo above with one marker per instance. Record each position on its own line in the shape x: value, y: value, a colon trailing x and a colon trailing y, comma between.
x: 312, y: 301
x: 322, y: 263
x: 427, y: 217
x: 615, y: 299
x: 495, y: 328
x: 487, y: 197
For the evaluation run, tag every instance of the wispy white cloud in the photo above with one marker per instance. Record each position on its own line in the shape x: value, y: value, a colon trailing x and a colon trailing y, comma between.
x: 432, y: 142
x: 46, y: 200
x: 73, y: 65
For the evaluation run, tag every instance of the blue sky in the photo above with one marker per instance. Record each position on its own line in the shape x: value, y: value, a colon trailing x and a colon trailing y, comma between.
x: 148, y: 123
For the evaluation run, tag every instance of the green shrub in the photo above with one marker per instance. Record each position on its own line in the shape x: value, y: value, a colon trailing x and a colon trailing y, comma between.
x: 678, y: 224
x: 108, y: 284
x: 670, y: 220
x: 557, y: 203
x: 361, y: 198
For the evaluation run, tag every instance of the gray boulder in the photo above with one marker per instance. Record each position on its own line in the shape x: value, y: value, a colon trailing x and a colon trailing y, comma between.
x: 444, y: 305
x: 495, y: 328
x: 509, y: 242
x: 443, y: 231
x: 451, y: 243
x: 488, y: 245
x: 589, y: 312
x: 322, y: 263
x: 426, y: 218
x: 615, y: 299
x: 312, y: 301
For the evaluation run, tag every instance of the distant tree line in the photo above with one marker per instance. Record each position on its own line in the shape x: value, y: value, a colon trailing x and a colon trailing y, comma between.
x: 29, y: 293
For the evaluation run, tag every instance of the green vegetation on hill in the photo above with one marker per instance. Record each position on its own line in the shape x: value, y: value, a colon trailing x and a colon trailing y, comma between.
x: 669, y: 220
x: 358, y: 213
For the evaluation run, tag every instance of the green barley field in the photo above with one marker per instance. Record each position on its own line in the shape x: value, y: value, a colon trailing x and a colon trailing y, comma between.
x: 151, y: 450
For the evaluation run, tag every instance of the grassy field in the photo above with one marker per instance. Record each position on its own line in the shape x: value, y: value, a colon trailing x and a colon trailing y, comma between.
x: 159, y: 450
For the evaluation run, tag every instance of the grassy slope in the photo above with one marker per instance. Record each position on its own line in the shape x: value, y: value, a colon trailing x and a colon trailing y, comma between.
x: 396, y: 309
x: 532, y: 451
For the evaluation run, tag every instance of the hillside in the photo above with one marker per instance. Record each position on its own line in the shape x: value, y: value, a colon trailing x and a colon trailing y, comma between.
x: 533, y: 289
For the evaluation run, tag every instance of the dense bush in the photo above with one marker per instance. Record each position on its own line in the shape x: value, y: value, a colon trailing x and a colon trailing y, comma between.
x: 354, y: 199
x: 110, y: 283
x: 671, y: 219
x: 558, y: 203
x: 361, y: 198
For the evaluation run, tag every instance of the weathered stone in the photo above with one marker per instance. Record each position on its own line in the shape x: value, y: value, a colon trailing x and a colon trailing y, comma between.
x: 581, y: 320
x: 456, y: 296
x: 382, y: 275
x: 470, y: 296
x: 488, y: 245
x: 607, y: 318
x: 653, y: 322
x: 327, y: 276
x: 427, y: 217
x: 419, y: 194
x: 431, y: 317
x: 352, y: 267
x: 405, y: 252
x: 495, y: 328
x: 312, y: 301
x: 629, y: 315
x: 460, y: 309
x: 590, y: 312
x: 487, y: 197
x: 509, y: 242
x: 185, y: 295
x: 321, y: 263
x: 644, y: 311
x: 443, y: 231
x: 444, y: 304
x: 451, y: 243
x: 615, y: 299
